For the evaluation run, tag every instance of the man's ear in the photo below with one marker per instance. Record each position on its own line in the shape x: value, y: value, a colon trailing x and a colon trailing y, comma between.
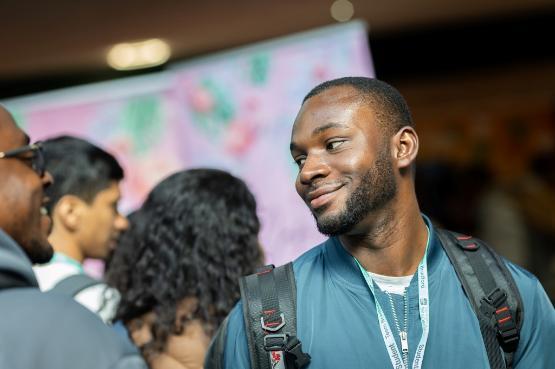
x: 405, y: 147
x: 68, y: 212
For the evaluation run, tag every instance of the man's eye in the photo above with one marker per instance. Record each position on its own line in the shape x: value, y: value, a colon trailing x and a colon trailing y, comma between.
x: 300, y: 162
x: 333, y: 145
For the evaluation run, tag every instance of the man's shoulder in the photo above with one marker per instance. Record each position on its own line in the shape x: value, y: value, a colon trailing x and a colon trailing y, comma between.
x: 60, y: 326
x: 532, y: 293
x: 303, y: 263
x: 310, y: 257
x: 50, y: 307
x: 306, y: 260
x: 525, y: 280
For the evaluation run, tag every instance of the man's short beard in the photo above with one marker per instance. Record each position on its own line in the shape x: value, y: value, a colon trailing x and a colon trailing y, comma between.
x: 37, y: 252
x: 376, y: 189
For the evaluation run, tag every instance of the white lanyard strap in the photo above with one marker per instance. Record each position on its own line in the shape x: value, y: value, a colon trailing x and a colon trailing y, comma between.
x: 423, y: 304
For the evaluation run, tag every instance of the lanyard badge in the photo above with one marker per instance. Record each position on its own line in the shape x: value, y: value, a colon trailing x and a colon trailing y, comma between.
x: 423, y: 307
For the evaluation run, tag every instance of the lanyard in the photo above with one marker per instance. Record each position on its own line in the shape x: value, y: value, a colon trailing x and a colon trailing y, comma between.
x: 423, y: 307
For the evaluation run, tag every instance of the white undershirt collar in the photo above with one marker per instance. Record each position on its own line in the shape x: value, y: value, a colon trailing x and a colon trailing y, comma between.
x: 396, y: 285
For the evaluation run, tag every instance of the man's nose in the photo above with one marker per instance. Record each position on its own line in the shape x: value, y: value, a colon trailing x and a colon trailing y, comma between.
x: 314, y: 167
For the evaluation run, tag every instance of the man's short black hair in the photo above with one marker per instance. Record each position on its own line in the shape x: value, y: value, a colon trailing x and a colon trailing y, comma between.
x: 79, y: 168
x: 391, y: 109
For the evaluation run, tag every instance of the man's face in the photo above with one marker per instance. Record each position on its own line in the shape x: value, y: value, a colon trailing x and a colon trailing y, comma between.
x: 22, y: 215
x: 101, y: 224
x: 345, y: 168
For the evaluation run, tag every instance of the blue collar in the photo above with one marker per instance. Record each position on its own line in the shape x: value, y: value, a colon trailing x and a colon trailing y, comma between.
x: 343, y: 266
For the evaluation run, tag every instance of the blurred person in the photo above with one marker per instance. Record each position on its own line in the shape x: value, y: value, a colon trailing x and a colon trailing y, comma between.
x: 381, y: 292
x: 86, y: 222
x: 516, y: 218
x: 39, y: 330
x: 177, y: 268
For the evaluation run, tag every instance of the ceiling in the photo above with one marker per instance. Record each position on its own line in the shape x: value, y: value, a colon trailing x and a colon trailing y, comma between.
x: 60, y: 37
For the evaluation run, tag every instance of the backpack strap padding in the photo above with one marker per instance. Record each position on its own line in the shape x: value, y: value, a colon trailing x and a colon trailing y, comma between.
x: 252, y: 306
x: 270, y: 312
x: 491, y: 291
x: 72, y: 285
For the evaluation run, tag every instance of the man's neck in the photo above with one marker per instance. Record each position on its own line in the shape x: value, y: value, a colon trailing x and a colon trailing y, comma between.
x: 393, y: 246
x: 64, y: 246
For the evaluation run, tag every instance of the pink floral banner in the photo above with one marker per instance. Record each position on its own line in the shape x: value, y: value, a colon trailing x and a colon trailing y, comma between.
x: 233, y: 111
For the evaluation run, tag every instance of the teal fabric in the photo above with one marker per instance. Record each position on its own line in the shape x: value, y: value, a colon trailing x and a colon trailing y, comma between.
x: 338, y: 327
x: 62, y: 258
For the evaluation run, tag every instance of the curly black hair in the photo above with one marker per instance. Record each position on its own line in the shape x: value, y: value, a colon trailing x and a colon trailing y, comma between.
x: 194, y: 236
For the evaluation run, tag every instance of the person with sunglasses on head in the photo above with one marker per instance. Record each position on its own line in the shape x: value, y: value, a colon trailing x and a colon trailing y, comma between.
x: 41, y: 330
x: 86, y: 221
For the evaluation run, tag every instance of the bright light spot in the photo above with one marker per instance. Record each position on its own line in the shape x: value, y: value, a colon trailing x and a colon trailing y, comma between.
x: 342, y: 10
x: 137, y: 55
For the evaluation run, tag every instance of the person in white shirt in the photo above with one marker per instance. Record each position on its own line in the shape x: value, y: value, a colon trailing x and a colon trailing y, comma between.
x: 86, y: 222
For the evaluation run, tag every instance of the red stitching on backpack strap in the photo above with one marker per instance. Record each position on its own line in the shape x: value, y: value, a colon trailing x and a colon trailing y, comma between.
x: 504, y: 308
x: 462, y: 238
x: 504, y: 319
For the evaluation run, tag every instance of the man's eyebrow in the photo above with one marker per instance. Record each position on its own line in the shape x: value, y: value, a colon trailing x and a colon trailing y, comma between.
x: 318, y: 130
x: 327, y: 126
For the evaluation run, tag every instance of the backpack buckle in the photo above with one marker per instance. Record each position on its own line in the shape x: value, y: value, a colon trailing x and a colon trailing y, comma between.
x: 294, y: 353
x: 507, y: 331
x: 275, y: 342
x: 291, y: 348
x: 273, y: 326
x: 496, y: 298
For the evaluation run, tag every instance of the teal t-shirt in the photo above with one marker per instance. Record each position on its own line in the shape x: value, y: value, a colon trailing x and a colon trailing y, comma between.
x: 337, y: 322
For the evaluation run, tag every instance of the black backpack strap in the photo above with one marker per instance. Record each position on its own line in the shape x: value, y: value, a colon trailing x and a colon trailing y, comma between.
x: 492, y: 292
x: 270, y: 312
x: 215, y: 354
x: 72, y: 285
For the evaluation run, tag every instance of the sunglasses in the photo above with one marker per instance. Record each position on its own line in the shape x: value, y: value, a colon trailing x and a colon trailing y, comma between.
x: 37, y: 159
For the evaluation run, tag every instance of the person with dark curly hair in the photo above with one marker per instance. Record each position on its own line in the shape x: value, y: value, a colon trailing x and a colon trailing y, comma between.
x: 177, y: 268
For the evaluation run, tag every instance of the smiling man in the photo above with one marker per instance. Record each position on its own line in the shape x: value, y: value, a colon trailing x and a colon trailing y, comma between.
x: 39, y: 330
x: 84, y: 207
x: 381, y: 291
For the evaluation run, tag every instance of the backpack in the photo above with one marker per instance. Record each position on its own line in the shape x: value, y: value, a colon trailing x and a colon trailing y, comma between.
x: 269, y: 308
x: 73, y: 284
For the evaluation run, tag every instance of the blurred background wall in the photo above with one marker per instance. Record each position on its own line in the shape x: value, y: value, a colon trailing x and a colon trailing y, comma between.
x: 479, y: 77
